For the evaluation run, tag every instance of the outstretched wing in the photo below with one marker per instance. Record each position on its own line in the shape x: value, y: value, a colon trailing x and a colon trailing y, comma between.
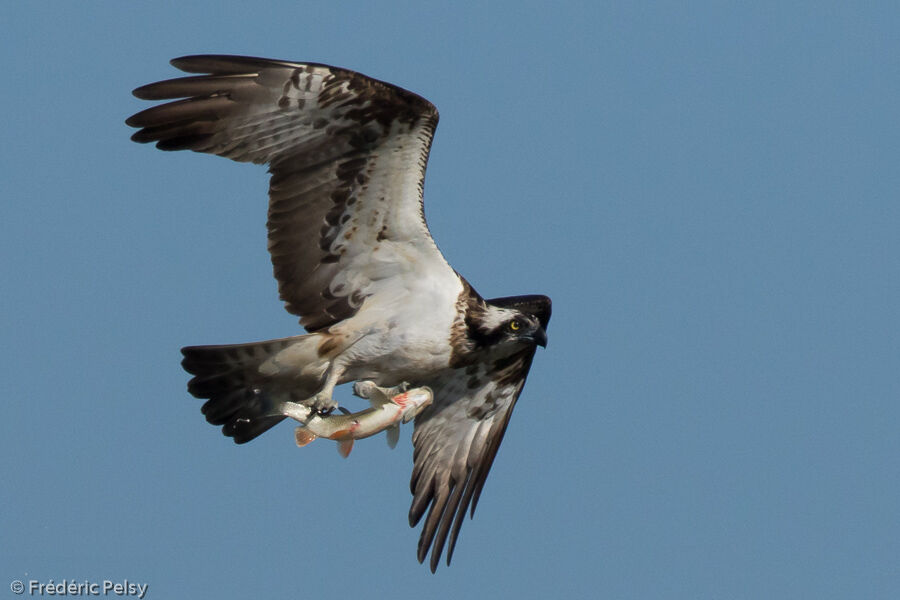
x: 347, y: 155
x: 455, y: 441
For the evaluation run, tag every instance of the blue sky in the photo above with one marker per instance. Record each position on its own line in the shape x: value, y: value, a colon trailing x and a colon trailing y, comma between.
x: 709, y: 193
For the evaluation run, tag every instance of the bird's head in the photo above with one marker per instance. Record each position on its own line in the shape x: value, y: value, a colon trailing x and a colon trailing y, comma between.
x: 514, y: 321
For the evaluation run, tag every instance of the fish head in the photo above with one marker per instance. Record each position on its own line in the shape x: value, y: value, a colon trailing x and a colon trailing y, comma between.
x: 413, y: 401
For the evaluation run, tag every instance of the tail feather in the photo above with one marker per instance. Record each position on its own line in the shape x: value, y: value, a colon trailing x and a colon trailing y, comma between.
x: 242, y: 398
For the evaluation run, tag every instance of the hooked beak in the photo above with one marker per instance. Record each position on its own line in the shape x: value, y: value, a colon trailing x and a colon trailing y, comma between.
x: 540, y: 338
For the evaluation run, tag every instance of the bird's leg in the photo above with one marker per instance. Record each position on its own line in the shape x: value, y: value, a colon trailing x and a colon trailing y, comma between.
x: 323, y: 403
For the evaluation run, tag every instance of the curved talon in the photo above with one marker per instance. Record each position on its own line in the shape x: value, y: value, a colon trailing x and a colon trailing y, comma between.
x: 324, y: 412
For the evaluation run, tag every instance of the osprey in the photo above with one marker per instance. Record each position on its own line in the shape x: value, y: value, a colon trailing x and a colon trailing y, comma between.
x: 355, y: 261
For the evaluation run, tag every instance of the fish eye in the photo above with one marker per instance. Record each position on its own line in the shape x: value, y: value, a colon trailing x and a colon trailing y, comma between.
x: 515, y: 325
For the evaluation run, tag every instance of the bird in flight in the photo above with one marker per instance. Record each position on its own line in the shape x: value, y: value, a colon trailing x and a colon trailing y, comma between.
x: 356, y: 262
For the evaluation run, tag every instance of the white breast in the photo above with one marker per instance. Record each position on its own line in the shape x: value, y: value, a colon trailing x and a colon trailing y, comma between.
x: 403, y: 336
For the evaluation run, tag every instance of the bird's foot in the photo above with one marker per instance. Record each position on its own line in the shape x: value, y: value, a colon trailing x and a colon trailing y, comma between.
x: 322, y: 403
x: 366, y: 389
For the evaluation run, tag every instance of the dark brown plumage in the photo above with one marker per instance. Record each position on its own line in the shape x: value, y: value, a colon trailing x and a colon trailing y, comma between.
x: 355, y: 261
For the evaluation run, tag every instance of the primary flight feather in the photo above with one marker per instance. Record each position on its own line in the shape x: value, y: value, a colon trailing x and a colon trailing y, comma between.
x: 355, y: 261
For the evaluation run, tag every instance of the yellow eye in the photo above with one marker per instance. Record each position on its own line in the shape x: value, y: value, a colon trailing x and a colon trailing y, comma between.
x: 515, y: 325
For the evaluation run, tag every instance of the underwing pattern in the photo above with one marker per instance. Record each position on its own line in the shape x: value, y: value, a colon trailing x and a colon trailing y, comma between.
x: 355, y: 261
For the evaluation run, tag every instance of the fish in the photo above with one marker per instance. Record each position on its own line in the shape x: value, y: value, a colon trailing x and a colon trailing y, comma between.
x: 388, y: 410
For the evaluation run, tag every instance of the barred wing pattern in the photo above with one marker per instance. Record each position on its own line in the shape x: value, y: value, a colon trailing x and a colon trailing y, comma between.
x: 346, y: 232
x: 347, y: 155
x: 455, y: 441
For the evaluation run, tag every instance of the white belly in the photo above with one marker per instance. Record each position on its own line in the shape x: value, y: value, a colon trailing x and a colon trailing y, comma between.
x: 404, y: 339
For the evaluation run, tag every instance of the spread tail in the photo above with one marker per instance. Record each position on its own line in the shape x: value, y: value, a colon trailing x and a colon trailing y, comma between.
x: 245, y: 384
